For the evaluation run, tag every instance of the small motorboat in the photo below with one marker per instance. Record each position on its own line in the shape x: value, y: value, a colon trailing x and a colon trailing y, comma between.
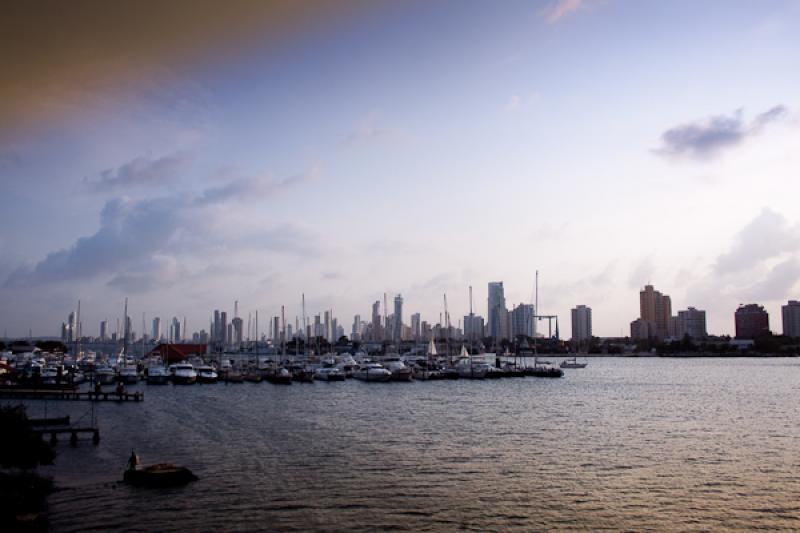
x: 280, y: 376
x: 330, y: 373
x: 372, y: 372
x: 183, y: 374
x: 159, y: 475
x: 157, y: 375
x: 400, y: 372
x: 206, y: 374
x: 572, y: 363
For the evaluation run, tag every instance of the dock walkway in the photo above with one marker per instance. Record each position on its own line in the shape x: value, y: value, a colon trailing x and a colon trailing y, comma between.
x: 50, y: 394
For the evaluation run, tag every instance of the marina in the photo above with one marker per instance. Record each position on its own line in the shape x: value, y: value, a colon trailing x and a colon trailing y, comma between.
x: 625, y: 444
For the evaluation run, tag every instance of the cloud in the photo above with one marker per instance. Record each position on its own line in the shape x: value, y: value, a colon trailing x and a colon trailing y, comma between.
x: 777, y: 284
x: 128, y: 230
x: 703, y: 139
x: 141, y: 171
x: 65, y: 60
x: 560, y: 9
x: 247, y: 188
x: 366, y: 131
x: 517, y: 103
x: 766, y: 236
x: 642, y: 273
x: 137, y: 239
x: 158, y: 271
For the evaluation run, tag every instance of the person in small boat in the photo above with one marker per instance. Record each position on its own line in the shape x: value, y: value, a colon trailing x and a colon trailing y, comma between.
x: 133, y: 461
x: 120, y: 388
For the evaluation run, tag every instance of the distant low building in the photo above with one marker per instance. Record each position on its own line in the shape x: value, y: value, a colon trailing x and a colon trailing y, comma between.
x: 691, y: 322
x: 790, y: 313
x: 752, y: 321
x: 643, y: 330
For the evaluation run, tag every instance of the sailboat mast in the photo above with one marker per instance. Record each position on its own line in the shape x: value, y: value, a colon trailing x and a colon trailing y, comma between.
x: 125, y: 329
x: 283, y: 334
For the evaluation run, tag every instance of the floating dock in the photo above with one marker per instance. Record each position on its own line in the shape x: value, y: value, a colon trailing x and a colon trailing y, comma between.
x: 50, y: 394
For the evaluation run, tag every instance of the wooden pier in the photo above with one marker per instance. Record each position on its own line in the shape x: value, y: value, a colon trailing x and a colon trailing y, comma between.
x: 50, y: 394
x: 73, y: 434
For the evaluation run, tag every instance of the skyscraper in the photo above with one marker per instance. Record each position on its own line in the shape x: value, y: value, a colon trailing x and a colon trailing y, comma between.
x: 521, y: 321
x: 238, y: 325
x: 752, y: 321
x: 398, y: 319
x: 498, y: 313
x: 655, y: 308
x: 416, y: 322
x: 104, y: 330
x: 581, y: 323
x: 157, y: 329
x: 223, y: 327
x: 791, y: 318
x: 376, y: 321
x: 176, y: 329
x: 71, y: 330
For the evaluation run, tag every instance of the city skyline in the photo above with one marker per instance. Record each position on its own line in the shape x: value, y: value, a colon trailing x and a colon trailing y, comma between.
x: 413, y: 149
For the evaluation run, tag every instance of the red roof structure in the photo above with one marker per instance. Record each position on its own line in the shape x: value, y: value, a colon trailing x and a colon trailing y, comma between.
x: 172, y: 353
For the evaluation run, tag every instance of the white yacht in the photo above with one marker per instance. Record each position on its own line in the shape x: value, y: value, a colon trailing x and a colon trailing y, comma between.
x: 183, y: 374
x: 469, y: 369
x: 572, y: 363
x: 157, y: 375
x: 329, y: 373
x: 128, y: 374
x: 207, y: 374
x: 104, y: 374
x: 400, y: 372
x: 372, y: 372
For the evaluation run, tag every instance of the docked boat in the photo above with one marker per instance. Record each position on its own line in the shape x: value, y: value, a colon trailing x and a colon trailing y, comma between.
x: 128, y: 374
x: 104, y: 374
x: 281, y: 376
x: 206, y: 374
x: 400, y: 372
x: 543, y: 370
x: 183, y: 374
x: 372, y: 372
x: 471, y: 369
x: 330, y: 373
x: 572, y: 363
x: 157, y: 375
x: 160, y: 475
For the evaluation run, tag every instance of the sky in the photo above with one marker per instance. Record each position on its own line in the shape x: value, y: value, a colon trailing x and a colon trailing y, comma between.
x: 351, y: 149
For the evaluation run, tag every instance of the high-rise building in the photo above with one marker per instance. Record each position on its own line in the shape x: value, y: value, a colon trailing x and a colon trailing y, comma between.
x: 416, y: 323
x: 691, y: 322
x: 397, y: 330
x: 655, y: 308
x: 791, y: 318
x: 752, y: 321
x: 497, y: 311
x: 327, y: 333
x: 216, y: 333
x: 276, y: 329
x: 521, y: 320
x: 71, y: 327
x: 238, y: 326
x: 176, y: 330
x: 223, y: 327
x: 377, y: 334
x: 104, y: 330
x: 581, y: 323
x: 473, y: 327
x: 334, y: 330
x: 157, y: 329
x: 355, y: 333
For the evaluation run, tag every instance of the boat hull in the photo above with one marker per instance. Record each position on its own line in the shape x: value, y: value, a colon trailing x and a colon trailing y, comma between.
x: 161, y: 475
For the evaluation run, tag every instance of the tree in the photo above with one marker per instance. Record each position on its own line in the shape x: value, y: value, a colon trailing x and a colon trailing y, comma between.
x: 20, y: 446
